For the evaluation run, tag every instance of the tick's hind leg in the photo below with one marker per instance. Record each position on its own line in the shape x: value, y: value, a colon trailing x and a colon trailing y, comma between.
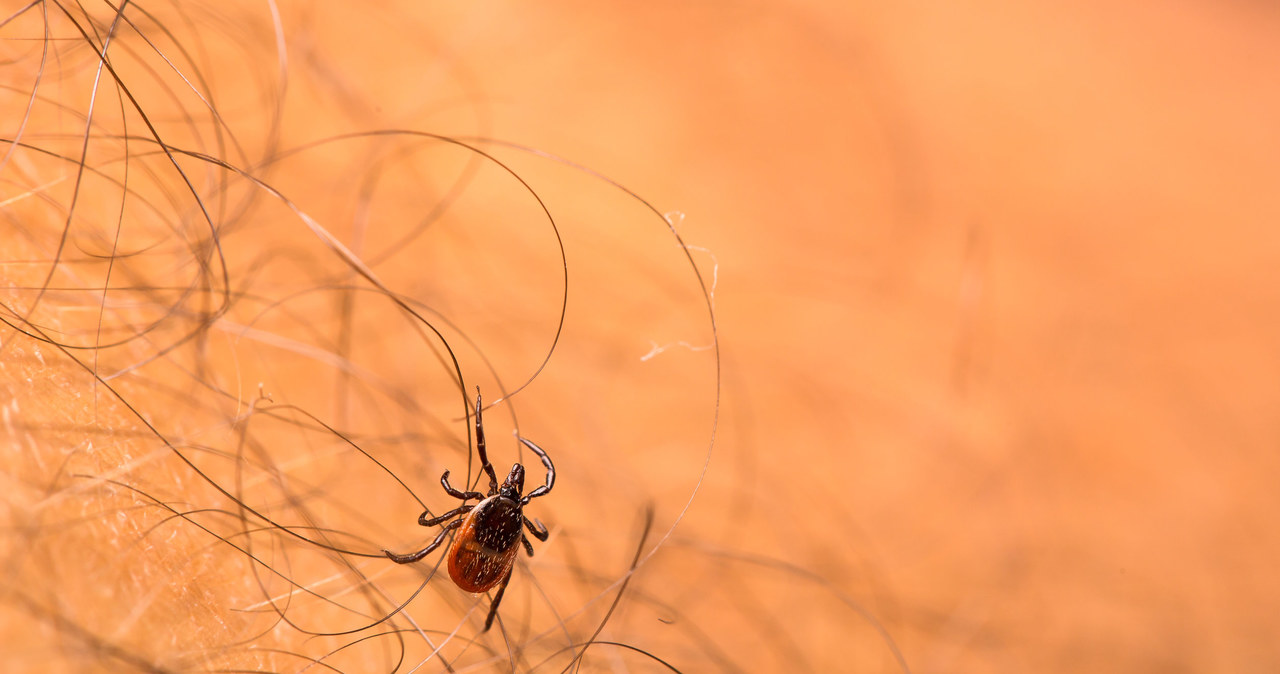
x: 539, y: 531
x: 497, y: 599
x: 415, y: 556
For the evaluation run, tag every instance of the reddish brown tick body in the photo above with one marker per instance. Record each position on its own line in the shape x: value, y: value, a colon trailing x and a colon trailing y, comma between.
x: 484, y: 551
x: 485, y: 548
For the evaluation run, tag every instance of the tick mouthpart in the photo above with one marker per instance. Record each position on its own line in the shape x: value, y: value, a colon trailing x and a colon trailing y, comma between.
x: 514, y: 485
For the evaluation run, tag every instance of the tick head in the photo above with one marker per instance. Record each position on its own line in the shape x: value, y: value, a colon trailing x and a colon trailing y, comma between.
x: 513, y: 487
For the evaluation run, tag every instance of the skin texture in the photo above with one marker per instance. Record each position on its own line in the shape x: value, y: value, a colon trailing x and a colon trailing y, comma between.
x: 995, y: 289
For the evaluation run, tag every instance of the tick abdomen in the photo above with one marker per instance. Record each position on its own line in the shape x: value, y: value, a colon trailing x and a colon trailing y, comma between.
x: 485, y: 547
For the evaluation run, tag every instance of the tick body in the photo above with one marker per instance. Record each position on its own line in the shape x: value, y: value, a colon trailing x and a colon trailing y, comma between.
x: 492, y: 531
x: 485, y: 549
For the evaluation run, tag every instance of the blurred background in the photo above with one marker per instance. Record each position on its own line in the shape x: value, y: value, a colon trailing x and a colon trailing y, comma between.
x: 864, y: 338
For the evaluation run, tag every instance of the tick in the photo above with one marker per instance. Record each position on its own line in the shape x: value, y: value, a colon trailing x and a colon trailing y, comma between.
x: 484, y: 551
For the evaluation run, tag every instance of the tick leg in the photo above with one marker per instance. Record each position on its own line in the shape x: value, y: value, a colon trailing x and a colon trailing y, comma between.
x: 528, y: 547
x: 480, y: 449
x: 497, y: 599
x: 432, y: 521
x: 551, y: 472
x: 464, y: 495
x: 415, y: 556
x: 539, y: 531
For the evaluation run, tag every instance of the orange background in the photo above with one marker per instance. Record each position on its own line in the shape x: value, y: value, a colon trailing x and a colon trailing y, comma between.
x: 994, y: 289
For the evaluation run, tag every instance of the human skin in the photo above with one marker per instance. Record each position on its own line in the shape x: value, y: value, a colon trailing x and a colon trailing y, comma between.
x: 995, y: 383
